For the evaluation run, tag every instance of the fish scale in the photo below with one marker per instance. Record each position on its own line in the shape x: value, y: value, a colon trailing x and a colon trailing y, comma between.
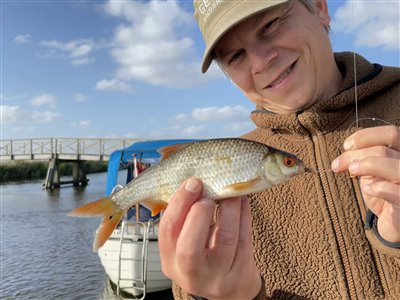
x: 207, y: 161
x: 227, y: 167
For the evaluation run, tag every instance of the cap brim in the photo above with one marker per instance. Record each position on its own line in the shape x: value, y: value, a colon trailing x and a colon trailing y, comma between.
x: 235, y: 15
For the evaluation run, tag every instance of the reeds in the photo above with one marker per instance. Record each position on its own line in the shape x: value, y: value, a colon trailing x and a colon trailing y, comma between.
x: 34, y: 170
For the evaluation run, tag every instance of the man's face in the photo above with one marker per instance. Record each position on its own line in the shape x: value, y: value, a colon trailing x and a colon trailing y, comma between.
x: 282, y: 58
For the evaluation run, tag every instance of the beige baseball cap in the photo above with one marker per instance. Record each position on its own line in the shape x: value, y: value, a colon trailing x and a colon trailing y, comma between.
x: 216, y: 17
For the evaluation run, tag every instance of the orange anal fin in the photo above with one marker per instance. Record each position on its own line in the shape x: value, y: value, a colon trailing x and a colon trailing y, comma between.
x: 155, y: 206
x: 111, y: 213
x: 106, y: 228
x: 168, y: 150
x: 243, y: 187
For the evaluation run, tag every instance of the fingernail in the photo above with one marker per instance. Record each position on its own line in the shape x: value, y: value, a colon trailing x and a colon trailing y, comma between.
x: 192, y: 185
x: 206, y: 201
x: 348, y: 144
x: 335, y: 164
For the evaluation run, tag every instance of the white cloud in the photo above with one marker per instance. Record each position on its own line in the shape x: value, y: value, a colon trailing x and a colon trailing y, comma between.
x: 208, y: 114
x: 22, y: 39
x: 208, y: 122
x: 240, y: 127
x: 13, y: 114
x: 178, y: 131
x: 82, y: 124
x: 45, y: 99
x: 113, y: 85
x: 78, y: 52
x: 180, y: 118
x: 374, y: 23
x: 79, y: 98
x: 44, y: 116
x: 193, y: 131
x: 153, y: 44
x: 9, y: 113
x: 23, y: 129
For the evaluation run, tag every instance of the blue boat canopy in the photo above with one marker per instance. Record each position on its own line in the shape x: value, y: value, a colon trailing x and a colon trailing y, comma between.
x: 145, y: 151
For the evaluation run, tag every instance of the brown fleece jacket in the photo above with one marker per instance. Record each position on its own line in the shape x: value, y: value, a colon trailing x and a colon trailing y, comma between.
x: 309, y: 235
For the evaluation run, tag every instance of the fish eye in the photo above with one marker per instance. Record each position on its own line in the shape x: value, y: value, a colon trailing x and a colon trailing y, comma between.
x: 289, y: 161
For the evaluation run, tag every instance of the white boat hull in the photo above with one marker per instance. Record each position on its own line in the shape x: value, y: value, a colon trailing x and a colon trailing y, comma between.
x: 131, y: 274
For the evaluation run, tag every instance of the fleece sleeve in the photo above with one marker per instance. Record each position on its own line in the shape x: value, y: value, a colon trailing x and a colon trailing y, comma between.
x: 182, y: 295
x: 384, y: 247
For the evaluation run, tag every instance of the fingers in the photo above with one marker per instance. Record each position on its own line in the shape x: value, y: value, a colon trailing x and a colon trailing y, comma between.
x: 174, y: 217
x: 245, y: 248
x: 388, y: 168
x: 213, y: 260
x: 383, y: 135
x: 226, y: 233
x: 193, y: 240
x: 343, y: 162
x: 383, y: 190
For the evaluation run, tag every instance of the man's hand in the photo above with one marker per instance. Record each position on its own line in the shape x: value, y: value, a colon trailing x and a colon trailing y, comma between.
x: 373, y: 154
x: 207, y: 255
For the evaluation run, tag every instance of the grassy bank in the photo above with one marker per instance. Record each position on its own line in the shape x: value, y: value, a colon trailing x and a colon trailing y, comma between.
x: 32, y: 170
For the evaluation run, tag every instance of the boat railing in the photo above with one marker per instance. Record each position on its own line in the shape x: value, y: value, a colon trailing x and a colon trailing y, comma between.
x: 141, y: 229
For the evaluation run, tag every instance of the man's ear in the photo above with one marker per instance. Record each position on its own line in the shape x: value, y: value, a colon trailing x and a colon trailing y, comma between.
x: 321, y: 7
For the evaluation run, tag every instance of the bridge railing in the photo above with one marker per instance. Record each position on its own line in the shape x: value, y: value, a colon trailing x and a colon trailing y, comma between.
x: 61, y: 148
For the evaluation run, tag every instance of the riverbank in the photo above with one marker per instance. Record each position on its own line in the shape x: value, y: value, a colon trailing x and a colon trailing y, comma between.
x: 16, y: 171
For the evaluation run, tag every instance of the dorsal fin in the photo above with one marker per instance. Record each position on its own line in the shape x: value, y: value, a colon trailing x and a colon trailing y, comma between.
x: 166, y: 151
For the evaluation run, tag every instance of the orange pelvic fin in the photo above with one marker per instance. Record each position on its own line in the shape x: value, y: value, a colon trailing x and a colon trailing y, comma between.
x: 110, y: 212
x: 243, y: 187
x: 154, y: 205
x: 168, y: 150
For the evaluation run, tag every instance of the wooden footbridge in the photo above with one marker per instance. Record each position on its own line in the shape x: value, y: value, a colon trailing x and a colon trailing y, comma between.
x: 55, y: 150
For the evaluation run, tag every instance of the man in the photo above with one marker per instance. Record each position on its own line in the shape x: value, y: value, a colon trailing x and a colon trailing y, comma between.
x: 319, y: 236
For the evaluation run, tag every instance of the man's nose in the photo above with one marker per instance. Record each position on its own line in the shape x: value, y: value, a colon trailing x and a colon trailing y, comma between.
x: 261, y: 58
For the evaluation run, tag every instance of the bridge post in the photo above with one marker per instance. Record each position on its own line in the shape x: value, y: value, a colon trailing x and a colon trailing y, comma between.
x: 79, y: 174
x: 53, y: 175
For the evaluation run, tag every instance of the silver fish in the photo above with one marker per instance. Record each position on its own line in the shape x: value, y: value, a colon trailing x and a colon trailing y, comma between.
x: 227, y: 167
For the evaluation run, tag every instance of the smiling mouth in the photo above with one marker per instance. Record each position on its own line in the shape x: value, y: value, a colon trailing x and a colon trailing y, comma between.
x: 283, y: 75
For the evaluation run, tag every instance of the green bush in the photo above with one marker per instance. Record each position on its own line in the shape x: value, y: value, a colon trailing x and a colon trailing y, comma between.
x: 33, y: 170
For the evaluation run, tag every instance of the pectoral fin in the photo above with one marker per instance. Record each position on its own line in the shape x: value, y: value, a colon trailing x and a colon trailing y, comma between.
x: 244, y: 187
x: 155, y: 206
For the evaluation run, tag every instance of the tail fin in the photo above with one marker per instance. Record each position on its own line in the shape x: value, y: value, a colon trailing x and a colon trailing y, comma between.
x: 110, y: 212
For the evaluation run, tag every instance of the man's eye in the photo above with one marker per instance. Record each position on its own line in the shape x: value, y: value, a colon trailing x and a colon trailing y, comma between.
x: 235, y: 56
x: 271, y: 25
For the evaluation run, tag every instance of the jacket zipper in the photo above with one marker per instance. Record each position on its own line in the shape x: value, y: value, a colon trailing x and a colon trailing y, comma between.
x: 331, y: 209
x: 375, y: 253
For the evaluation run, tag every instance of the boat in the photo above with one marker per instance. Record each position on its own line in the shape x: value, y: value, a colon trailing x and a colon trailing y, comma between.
x: 131, y: 257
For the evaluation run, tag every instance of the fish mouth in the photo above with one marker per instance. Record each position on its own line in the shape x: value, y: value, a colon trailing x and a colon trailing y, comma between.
x: 301, y: 170
x: 285, y: 73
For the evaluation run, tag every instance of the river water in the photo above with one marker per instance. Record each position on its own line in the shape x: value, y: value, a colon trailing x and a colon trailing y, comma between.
x: 44, y: 253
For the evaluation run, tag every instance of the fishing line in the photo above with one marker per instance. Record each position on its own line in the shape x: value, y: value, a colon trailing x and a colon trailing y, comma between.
x: 371, y: 119
x: 357, y: 120
x: 354, y: 68
x: 311, y: 170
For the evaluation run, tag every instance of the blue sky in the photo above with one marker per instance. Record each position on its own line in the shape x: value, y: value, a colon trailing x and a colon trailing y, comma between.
x: 131, y: 69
